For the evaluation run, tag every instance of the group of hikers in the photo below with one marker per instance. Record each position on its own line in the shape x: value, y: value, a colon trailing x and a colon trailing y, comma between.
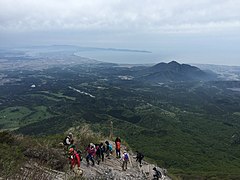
x: 95, y: 153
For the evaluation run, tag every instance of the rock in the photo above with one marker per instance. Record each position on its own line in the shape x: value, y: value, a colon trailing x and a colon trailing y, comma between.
x: 110, y: 169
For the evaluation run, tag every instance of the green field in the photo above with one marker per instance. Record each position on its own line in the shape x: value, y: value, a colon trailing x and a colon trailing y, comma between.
x: 59, y: 95
x: 190, y: 128
x: 18, y: 116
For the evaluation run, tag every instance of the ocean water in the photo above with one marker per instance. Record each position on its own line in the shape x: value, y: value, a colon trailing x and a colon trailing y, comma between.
x: 122, y: 57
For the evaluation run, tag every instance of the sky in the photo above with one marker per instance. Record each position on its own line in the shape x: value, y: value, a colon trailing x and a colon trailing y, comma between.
x: 192, y: 31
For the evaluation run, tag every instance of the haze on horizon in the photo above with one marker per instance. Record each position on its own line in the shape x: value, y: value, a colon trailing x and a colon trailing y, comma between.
x: 200, y: 31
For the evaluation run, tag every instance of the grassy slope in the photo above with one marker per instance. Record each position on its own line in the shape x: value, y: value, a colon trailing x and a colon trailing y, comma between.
x: 17, y: 150
x: 186, y: 128
x: 18, y: 116
x: 184, y: 142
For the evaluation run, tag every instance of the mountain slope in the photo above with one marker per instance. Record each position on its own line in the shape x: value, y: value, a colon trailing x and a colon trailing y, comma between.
x: 169, y: 123
x: 44, y: 158
x: 173, y: 71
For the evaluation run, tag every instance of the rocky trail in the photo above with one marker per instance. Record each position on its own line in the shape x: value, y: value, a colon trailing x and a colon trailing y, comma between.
x: 110, y: 169
x: 107, y: 170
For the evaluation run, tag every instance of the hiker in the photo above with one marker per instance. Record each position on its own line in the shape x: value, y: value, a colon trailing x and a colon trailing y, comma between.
x: 157, y: 174
x: 91, y: 151
x: 68, y: 140
x: 108, y: 149
x: 118, y: 147
x: 74, y: 158
x: 139, y: 157
x: 124, y: 159
x: 100, y: 149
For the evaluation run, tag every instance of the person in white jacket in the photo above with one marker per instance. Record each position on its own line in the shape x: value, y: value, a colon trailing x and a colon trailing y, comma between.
x: 124, y: 159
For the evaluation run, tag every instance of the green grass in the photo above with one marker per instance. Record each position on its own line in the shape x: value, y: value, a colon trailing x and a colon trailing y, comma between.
x: 18, y: 116
x: 39, y: 113
x: 189, y: 145
x: 59, y: 95
x: 46, y: 97
x: 15, y: 151
x: 10, y: 117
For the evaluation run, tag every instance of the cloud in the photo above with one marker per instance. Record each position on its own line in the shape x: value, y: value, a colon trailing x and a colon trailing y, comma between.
x: 156, y: 16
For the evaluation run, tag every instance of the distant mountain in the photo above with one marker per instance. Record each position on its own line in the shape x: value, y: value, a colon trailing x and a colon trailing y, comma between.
x: 173, y: 71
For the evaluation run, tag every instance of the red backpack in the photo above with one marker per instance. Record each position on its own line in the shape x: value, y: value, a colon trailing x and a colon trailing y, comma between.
x: 118, y: 145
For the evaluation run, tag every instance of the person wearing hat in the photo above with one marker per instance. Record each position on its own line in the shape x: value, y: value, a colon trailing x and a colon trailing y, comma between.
x: 157, y: 174
x: 68, y: 140
x: 91, y: 151
x: 139, y: 157
x: 124, y: 159
x: 74, y: 158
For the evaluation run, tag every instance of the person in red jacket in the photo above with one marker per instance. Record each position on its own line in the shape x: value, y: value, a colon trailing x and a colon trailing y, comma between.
x: 118, y: 147
x: 74, y: 158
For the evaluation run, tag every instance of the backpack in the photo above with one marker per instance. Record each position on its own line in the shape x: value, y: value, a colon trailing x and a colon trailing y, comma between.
x: 126, y: 157
x: 118, y: 145
x: 159, y: 174
x: 110, y: 147
x: 65, y: 140
x: 98, y: 152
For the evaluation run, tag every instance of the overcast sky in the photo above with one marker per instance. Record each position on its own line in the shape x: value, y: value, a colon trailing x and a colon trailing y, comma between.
x: 197, y: 31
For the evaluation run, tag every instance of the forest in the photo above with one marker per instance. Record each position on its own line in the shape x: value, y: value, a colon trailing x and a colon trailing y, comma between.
x: 191, y: 128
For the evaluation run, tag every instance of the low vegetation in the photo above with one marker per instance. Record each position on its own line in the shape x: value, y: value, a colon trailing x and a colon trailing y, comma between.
x: 16, y: 151
x: 190, y: 128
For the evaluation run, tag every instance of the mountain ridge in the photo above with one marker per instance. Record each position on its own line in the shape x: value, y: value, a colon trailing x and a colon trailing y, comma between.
x: 45, y: 158
x: 173, y: 71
